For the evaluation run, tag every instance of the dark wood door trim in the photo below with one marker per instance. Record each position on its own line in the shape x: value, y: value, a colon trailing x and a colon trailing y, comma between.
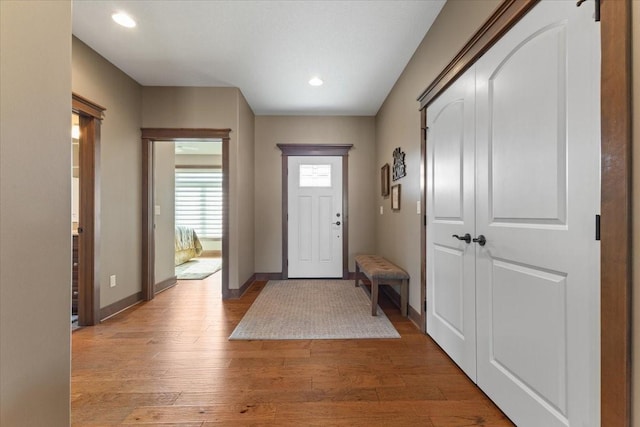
x: 505, y: 16
x: 423, y: 220
x: 336, y: 150
x: 616, y: 215
x: 87, y: 107
x: 90, y: 115
x: 149, y: 136
x: 148, y: 249
x: 616, y: 175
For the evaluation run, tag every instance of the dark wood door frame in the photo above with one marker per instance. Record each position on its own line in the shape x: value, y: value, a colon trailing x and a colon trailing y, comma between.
x: 616, y: 176
x: 149, y: 136
x: 341, y: 150
x: 90, y: 115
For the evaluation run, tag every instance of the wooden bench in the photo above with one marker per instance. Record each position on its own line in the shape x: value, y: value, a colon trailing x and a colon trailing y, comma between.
x: 382, y: 272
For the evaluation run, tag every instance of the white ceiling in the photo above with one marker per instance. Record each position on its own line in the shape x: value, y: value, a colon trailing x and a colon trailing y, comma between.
x: 268, y: 49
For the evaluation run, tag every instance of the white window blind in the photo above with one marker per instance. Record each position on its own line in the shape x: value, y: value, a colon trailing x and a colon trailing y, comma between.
x: 199, y: 201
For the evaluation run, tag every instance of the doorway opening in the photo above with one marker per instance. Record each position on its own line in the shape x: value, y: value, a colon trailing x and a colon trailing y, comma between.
x: 75, y: 215
x: 185, y: 207
x: 187, y: 211
x: 85, y: 221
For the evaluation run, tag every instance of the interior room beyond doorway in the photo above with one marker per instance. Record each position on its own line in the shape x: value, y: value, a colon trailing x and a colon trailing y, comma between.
x: 188, y: 210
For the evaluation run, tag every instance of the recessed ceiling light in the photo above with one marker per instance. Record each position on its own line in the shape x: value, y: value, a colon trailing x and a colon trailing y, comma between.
x: 123, y: 19
x: 316, y: 81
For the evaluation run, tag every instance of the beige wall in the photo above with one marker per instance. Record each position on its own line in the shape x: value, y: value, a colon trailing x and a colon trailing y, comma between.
x: 165, y: 200
x: 244, y: 189
x: 96, y: 79
x: 398, y: 125
x: 215, y: 108
x: 190, y: 107
x: 35, y: 209
x: 636, y: 213
x: 363, y: 179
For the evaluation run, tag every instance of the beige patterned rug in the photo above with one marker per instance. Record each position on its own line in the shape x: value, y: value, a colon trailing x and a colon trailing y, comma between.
x: 312, y: 309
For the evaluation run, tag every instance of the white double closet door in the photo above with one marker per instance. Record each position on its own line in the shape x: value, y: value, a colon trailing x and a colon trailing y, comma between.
x: 513, y: 154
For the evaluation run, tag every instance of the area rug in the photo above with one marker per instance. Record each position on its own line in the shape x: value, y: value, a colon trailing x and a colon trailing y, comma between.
x: 198, y: 268
x: 312, y: 309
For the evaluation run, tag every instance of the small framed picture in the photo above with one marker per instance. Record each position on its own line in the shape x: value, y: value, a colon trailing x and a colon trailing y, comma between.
x: 384, y: 180
x: 395, y: 197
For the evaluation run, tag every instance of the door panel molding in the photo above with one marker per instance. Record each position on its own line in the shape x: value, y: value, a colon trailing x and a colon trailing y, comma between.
x: 451, y: 211
x: 91, y: 115
x: 615, y: 113
x: 341, y: 150
x: 149, y: 136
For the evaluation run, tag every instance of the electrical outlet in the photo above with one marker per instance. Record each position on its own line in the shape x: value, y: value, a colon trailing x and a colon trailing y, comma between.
x: 112, y: 281
x: 418, y: 207
x: 381, y: 210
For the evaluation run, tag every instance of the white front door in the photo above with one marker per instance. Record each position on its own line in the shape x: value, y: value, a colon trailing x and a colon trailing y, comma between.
x: 538, y: 186
x: 315, y: 216
x: 451, y: 262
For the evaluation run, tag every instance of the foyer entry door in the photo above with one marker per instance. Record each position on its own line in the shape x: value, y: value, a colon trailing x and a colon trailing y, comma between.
x: 315, y: 217
x: 535, y: 173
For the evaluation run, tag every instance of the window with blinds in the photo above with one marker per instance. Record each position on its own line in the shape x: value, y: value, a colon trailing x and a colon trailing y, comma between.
x: 199, y: 201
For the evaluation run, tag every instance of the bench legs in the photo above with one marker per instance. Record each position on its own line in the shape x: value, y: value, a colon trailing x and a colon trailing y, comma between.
x: 404, y: 290
x: 374, y: 297
x: 404, y: 295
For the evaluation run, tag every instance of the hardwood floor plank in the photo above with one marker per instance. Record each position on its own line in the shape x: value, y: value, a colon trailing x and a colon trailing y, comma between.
x: 470, y: 421
x: 169, y: 362
x: 217, y: 413
x: 245, y: 396
x: 126, y: 399
x: 285, y: 345
x: 98, y: 416
x: 332, y: 382
x: 454, y: 387
x: 360, y: 409
x: 410, y: 393
x: 452, y: 408
x: 333, y: 422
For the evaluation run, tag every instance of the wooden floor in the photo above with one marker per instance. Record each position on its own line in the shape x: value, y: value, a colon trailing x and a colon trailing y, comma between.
x: 168, y: 362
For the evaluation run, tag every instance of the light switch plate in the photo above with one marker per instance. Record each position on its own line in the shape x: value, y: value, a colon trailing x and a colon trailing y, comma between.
x: 418, y: 207
x: 381, y: 210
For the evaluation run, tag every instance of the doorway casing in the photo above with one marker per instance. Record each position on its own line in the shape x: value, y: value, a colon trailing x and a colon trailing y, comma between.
x: 149, y: 136
x: 90, y: 115
x: 341, y: 150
